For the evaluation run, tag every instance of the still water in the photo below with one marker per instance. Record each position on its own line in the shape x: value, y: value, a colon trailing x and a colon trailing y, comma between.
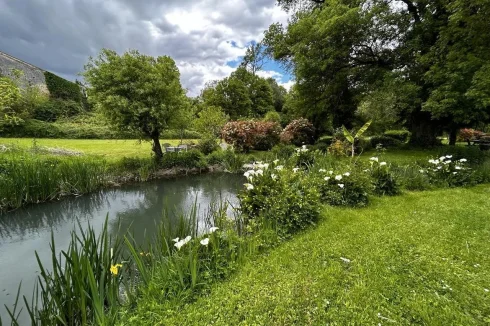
x: 136, y: 207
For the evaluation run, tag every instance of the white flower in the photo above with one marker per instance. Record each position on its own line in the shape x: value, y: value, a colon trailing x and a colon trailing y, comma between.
x: 275, y: 161
x: 486, y: 290
x: 347, y: 174
x: 463, y: 160
x: 279, y: 167
x: 447, y: 162
x: 434, y: 161
x: 341, y: 185
x: 295, y: 170
x: 382, y: 163
x: 322, y: 170
x: 421, y: 171
x: 249, y: 174
x: 442, y: 158
x: 248, y: 166
x: 259, y: 172
x: 458, y: 167
x: 249, y: 186
x: 449, y: 156
x: 367, y: 170
x: 345, y: 260
x: 205, y: 242
x: 273, y: 176
x: 187, y: 239
x: 266, y: 166
x: 375, y: 159
x: 179, y: 244
x: 213, y: 229
x: 330, y: 172
x: 439, y: 167
x: 326, y: 178
x: 303, y: 147
x: 175, y: 240
x: 455, y: 172
x: 338, y: 178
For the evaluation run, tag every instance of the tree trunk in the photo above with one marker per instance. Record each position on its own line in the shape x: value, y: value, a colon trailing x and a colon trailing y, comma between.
x: 156, y: 147
x: 452, y: 136
x: 424, y: 130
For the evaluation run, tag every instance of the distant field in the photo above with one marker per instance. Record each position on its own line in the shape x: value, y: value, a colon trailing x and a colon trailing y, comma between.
x: 111, y: 149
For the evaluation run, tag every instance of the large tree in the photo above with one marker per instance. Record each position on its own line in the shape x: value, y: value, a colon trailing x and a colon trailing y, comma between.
x: 350, y: 54
x: 136, y: 92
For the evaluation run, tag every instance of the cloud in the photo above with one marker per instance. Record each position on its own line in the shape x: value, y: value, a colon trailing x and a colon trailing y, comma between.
x: 203, y: 36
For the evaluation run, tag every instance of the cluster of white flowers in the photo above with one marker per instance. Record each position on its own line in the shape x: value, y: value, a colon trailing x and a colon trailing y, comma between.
x: 179, y: 243
x: 376, y: 159
x: 337, y: 177
x: 257, y: 169
x: 303, y: 149
x: 443, y: 164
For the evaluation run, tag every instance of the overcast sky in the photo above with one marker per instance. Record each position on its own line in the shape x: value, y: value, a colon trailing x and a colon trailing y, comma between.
x: 206, y: 38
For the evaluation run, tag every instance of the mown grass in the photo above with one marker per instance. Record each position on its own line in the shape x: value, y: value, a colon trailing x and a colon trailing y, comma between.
x: 421, y: 258
x: 109, y: 149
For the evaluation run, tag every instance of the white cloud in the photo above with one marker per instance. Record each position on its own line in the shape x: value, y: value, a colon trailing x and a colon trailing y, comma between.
x: 201, y: 35
x: 287, y: 85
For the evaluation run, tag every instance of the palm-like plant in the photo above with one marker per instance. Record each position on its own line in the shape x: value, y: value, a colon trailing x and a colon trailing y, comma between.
x: 352, y: 139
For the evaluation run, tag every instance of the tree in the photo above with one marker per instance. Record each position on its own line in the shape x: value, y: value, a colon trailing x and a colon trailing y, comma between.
x: 278, y: 94
x: 254, y: 58
x: 10, y: 96
x: 184, y: 118
x: 210, y: 121
x: 136, y: 92
x: 231, y: 95
x: 345, y: 54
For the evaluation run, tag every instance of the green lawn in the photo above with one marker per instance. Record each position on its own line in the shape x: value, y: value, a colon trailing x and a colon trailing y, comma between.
x: 418, y: 259
x: 111, y: 149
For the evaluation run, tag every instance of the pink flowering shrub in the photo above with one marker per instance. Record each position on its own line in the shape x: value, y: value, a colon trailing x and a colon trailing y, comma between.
x: 250, y: 134
x: 299, y: 132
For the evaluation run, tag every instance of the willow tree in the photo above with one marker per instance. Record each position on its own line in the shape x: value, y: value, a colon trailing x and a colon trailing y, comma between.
x: 136, y: 92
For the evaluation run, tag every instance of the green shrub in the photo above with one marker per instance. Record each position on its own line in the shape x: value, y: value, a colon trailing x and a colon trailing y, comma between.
x: 383, y: 180
x: 189, y: 160
x: 471, y: 153
x: 304, y: 157
x: 283, y: 152
x: 401, y: 135
x: 412, y: 177
x: 447, y: 171
x: 62, y: 89
x: 216, y: 157
x: 343, y: 189
x: 208, y: 144
x: 283, y: 199
x: 272, y: 116
x: 385, y: 141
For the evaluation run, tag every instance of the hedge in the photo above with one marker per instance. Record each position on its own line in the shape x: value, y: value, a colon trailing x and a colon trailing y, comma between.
x: 62, y: 89
x: 401, y: 135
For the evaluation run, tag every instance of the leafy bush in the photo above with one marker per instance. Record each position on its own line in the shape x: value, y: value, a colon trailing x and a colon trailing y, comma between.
x: 284, y: 199
x: 189, y: 160
x: 383, y: 180
x: 304, y: 157
x: 299, y: 132
x: 283, y: 152
x: 338, y: 148
x: 412, y: 178
x: 207, y: 144
x: 385, y: 141
x: 472, y: 153
x: 401, y: 135
x: 62, y: 89
x: 363, y: 145
x: 343, y: 189
x: 247, y: 135
x: 468, y: 134
x: 445, y: 171
x: 272, y: 116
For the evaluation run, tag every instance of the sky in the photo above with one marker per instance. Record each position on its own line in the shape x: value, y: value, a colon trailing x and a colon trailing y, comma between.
x: 206, y: 38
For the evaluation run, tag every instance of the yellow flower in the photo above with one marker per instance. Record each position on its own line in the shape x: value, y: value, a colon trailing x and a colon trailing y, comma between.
x: 115, y: 269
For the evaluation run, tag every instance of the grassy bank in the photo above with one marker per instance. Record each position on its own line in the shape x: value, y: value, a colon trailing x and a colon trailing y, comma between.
x: 109, y: 149
x: 416, y: 259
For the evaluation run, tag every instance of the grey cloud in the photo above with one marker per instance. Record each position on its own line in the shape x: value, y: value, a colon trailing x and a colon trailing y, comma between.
x: 60, y: 35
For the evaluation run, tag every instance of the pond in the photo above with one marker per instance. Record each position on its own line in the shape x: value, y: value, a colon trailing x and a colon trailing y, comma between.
x: 136, y: 207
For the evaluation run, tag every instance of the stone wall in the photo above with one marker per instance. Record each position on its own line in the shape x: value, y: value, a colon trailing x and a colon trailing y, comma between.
x: 32, y: 75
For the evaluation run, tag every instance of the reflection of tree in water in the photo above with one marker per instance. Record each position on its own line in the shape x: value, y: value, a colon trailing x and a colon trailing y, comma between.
x: 171, y: 198
x: 27, y: 220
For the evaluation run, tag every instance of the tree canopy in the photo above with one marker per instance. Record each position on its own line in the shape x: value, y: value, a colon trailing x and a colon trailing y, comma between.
x: 423, y: 62
x: 136, y: 92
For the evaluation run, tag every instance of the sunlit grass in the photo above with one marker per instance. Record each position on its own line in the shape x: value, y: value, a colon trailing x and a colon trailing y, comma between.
x: 109, y: 149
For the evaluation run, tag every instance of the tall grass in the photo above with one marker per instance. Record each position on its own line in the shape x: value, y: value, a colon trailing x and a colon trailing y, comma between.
x: 28, y: 178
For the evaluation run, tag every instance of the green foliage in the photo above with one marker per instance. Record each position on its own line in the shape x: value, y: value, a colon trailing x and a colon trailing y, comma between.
x: 304, y: 157
x: 299, y: 132
x: 344, y: 189
x: 210, y: 120
x: 449, y: 172
x: 472, y: 153
x: 279, y: 198
x: 401, y: 135
x: 384, y: 181
x: 208, y: 144
x: 29, y: 178
x: 353, y: 138
x: 385, y: 141
x: 283, y: 151
x: 136, y: 92
x: 60, y: 88
x: 272, y: 116
x: 190, y: 160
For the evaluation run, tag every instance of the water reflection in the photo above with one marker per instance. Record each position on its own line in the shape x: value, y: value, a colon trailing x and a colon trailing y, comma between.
x: 138, y: 207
